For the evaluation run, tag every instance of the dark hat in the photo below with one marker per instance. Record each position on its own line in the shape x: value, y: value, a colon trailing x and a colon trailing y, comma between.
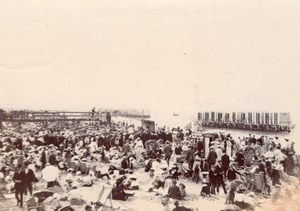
x: 87, y: 207
x: 182, y: 185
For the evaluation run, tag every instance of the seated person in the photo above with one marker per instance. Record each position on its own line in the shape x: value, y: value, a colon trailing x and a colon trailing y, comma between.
x: 129, y: 184
x: 151, y: 173
x: 187, y: 172
x: 174, y: 191
x: 179, y: 208
x: 174, y: 171
x: 78, y: 176
x: 98, y: 174
x: 70, y: 175
x: 52, y: 202
x: 148, y: 164
x: 157, y: 183
x: 74, y: 196
x: 118, y: 192
x: 111, y: 169
x: 132, y: 163
x: 182, y: 190
x: 261, y: 169
x: 124, y: 163
x: 87, y: 181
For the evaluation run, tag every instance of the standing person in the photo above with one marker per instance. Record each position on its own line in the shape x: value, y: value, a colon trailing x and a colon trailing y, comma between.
x: 190, y: 156
x: 178, y: 149
x: 139, y: 148
x: 231, y: 173
x: 220, y: 179
x: 29, y: 179
x: 213, y: 180
x: 225, y: 162
x: 196, y: 174
x: 43, y: 158
x: 228, y: 147
x: 200, y: 146
x: 168, y: 151
x: 19, y: 180
x: 126, y: 148
x: 219, y: 151
x: 212, y: 157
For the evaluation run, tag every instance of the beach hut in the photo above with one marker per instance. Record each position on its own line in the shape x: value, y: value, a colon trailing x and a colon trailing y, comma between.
x: 239, y: 117
x: 262, y: 117
x: 227, y: 117
x: 213, y: 116
x: 249, y: 118
x: 206, y: 117
x: 267, y: 118
x: 200, y: 116
x: 234, y: 117
x: 219, y: 117
x: 275, y: 119
x: 257, y: 118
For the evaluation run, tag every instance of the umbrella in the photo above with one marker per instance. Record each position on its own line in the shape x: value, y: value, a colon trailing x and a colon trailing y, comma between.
x: 231, y: 207
x: 43, y: 194
x: 234, y: 184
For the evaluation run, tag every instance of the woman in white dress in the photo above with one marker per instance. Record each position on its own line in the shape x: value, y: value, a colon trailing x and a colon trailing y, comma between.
x: 139, y: 148
x: 173, y: 160
x: 228, y: 148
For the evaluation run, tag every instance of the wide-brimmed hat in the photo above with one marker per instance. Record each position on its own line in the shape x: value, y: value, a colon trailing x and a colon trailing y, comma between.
x: 70, y: 170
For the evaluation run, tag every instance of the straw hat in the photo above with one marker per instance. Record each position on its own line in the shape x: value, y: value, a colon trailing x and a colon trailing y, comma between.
x: 70, y: 170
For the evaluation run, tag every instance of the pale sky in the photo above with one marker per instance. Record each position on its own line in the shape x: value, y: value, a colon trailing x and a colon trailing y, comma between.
x: 173, y: 55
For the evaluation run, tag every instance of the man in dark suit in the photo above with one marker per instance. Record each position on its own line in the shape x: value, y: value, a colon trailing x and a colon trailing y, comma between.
x: 190, y: 156
x: 19, y: 179
x: 212, y: 157
x: 168, y: 151
x: 118, y: 192
x: 212, y: 174
x: 200, y: 146
x: 29, y: 178
x: 225, y: 162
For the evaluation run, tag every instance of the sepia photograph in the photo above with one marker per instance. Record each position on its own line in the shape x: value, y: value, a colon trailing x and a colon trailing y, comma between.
x: 161, y: 105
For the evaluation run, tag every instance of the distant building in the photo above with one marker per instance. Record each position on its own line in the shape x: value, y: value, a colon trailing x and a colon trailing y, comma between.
x: 269, y: 121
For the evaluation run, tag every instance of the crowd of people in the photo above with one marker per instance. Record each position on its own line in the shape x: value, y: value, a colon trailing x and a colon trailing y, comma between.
x: 78, y: 152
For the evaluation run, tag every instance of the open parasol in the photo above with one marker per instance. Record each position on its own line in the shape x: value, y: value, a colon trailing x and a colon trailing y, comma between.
x: 43, y: 194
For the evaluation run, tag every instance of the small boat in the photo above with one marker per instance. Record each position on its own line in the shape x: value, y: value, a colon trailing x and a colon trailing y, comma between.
x: 175, y: 114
